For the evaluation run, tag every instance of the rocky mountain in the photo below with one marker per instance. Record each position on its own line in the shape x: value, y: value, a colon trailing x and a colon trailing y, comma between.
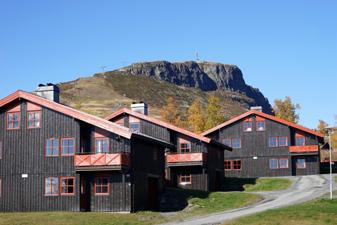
x: 153, y: 82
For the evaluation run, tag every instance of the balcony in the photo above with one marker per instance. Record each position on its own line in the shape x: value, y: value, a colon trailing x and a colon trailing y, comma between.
x: 186, y: 159
x: 304, y: 149
x: 98, y: 162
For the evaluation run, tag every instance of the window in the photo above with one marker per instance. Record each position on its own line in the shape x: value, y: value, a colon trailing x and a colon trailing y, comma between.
x: 272, y: 142
x: 300, y: 164
x: 227, y: 142
x: 236, y: 143
x: 34, y: 119
x: 247, y: 126
x: 102, y: 145
x: 51, y: 186
x: 228, y: 165
x: 283, y: 163
x: 52, y: 147
x: 282, y: 141
x: 67, y: 185
x: 13, y: 120
x: 67, y: 146
x: 260, y: 125
x: 273, y: 164
x: 185, y: 179
x: 236, y: 164
x: 135, y: 127
x: 101, y: 186
x: 300, y: 141
x: 185, y: 147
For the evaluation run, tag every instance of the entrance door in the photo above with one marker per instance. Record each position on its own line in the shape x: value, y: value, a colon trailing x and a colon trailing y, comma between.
x: 293, y: 166
x: 153, y: 194
x: 84, y: 194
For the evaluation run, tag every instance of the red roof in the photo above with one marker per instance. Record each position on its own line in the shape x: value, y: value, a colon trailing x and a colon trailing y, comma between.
x: 158, y: 122
x: 264, y: 115
x: 94, y: 120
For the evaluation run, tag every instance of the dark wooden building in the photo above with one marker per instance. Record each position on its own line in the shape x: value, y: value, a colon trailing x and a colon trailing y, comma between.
x: 53, y: 157
x: 195, y: 162
x: 264, y: 145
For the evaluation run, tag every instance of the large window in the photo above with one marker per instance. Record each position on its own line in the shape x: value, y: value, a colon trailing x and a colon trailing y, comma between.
x: 34, y: 119
x: 67, y: 146
x: 67, y: 185
x: 185, y: 179
x: 260, y: 125
x: 102, y: 145
x: 272, y: 142
x: 52, y: 147
x: 13, y: 120
x: 102, y: 186
x: 300, y: 164
x: 282, y: 141
x: 277, y: 141
x: 135, y: 126
x: 233, y: 164
x: 248, y: 126
x: 300, y: 141
x: 51, y: 186
x: 273, y: 164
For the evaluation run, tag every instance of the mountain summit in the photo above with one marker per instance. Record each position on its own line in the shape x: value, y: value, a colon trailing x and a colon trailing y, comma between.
x: 153, y: 82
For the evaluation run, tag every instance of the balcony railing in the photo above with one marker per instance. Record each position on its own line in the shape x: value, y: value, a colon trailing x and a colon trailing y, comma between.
x: 102, y: 160
x: 304, y: 148
x: 186, y: 158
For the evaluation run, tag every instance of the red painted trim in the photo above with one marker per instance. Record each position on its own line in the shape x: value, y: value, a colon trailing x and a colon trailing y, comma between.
x: 186, y: 157
x: 45, y: 149
x: 184, y: 141
x: 181, y: 176
x: 45, y: 179
x: 278, y: 139
x: 266, y: 116
x: 247, y: 122
x: 231, y: 162
x: 264, y: 127
x: 27, y: 116
x: 93, y: 120
x: 74, y: 186
x: 61, y: 147
x: 101, y: 138
x: 304, y: 148
x: 108, y: 185
x: 260, y: 119
x: 7, y: 120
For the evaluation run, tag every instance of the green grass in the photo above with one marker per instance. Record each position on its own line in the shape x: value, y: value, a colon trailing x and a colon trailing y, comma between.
x: 317, y: 212
x: 200, y: 203
x: 268, y: 184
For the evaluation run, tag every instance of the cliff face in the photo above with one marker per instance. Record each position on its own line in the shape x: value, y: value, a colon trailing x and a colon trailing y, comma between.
x: 206, y: 76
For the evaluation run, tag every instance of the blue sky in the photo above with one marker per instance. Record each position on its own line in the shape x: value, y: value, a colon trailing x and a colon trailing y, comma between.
x: 285, y: 48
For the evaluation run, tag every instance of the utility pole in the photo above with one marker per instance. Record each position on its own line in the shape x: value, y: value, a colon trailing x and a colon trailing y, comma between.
x: 197, y: 56
x: 103, y: 69
x: 330, y: 151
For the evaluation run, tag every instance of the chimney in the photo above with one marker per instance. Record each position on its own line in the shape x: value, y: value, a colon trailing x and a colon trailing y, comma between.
x: 49, y: 91
x: 256, y: 108
x: 140, y: 107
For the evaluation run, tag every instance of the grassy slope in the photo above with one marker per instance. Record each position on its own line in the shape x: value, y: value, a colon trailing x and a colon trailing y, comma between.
x: 102, y: 94
x: 317, y: 212
x: 268, y: 184
x: 199, y: 203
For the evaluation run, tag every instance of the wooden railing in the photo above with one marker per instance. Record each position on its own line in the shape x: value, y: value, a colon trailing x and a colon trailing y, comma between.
x: 185, y: 157
x: 304, y: 148
x: 88, y: 160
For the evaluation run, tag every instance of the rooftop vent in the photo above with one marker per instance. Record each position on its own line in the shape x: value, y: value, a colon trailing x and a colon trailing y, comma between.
x: 140, y: 107
x: 49, y: 91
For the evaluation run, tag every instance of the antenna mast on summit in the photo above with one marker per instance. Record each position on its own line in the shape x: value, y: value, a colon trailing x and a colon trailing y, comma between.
x: 103, y: 69
x: 197, y: 55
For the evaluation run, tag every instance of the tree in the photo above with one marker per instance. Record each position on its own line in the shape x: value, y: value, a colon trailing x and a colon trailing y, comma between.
x: 286, y: 110
x: 213, y: 112
x: 195, y: 117
x: 169, y: 112
x: 321, y: 127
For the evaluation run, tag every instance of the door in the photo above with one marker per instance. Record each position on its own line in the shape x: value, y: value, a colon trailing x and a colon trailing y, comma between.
x: 293, y: 166
x: 153, y: 193
x: 84, y: 194
x: 218, y: 180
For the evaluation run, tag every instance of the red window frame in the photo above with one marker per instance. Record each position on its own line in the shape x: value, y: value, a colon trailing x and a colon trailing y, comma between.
x: 34, y: 119
x: 67, y: 146
x: 101, y: 186
x: 65, y: 186
x: 236, y: 164
x: 279, y: 163
x: 276, y: 138
x: 13, y: 121
x: 228, y: 165
x: 51, y: 187
x: 278, y: 141
x: 58, y: 147
x: 185, y: 179
x: 264, y: 125
x: 103, y: 139
x: 246, y: 125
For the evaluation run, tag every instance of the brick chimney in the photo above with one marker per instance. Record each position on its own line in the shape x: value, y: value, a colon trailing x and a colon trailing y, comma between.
x: 49, y: 91
x: 140, y: 107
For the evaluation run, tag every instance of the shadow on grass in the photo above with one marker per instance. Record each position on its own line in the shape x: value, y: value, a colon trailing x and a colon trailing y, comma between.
x: 175, y: 199
x: 237, y: 184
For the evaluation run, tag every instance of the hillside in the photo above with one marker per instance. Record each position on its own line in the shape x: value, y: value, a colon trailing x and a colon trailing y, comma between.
x: 153, y: 82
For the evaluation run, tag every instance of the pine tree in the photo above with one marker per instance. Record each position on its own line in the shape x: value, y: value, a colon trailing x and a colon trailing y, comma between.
x: 195, y: 117
x: 213, y: 112
x: 286, y: 110
x: 169, y: 112
x: 321, y: 127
